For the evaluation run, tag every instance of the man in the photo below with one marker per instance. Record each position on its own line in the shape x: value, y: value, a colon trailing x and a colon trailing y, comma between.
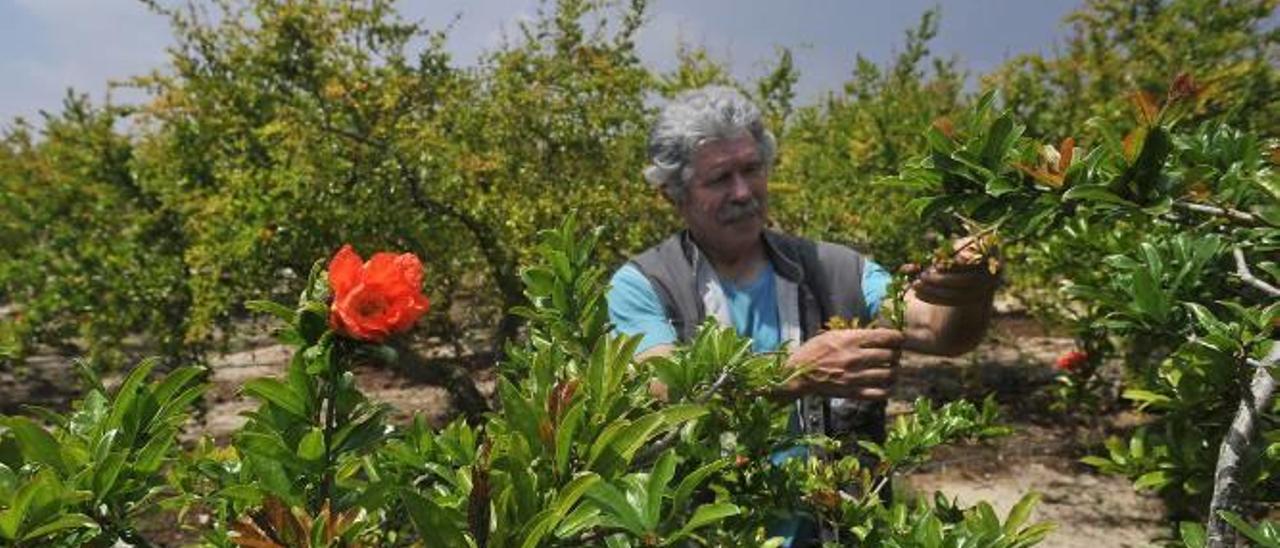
x: 710, y: 154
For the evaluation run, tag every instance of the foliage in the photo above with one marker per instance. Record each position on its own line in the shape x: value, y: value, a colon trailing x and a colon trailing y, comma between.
x: 1205, y: 199
x: 1115, y: 48
x: 1265, y: 534
x: 86, y: 478
x: 1118, y: 46
x: 90, y: 255
x: 577, y: 452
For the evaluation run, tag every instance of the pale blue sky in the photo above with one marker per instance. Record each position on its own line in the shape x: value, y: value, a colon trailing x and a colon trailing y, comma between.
x: 47, y: 46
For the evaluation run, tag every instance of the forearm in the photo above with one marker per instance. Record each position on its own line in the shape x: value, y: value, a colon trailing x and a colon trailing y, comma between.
x: 945, y: 330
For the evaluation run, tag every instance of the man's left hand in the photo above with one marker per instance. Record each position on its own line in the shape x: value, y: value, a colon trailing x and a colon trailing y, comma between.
x: 971, y: 280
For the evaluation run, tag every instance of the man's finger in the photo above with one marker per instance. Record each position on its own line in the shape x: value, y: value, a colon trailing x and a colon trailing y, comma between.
x: 876, y: 377
x: 933, y: 294
x: 872, y: 394
x: 872, y: 338
x: 953, y: 278
x: 867, y: 358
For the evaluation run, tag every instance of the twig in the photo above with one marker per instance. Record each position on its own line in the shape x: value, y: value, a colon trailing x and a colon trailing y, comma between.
x: 1241, y: 217
x: 1236, y: 448
x: 669, y: 439
x: 1242, y: 270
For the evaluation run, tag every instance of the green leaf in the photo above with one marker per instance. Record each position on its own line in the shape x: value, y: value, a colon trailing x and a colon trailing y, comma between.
x: 1247, y: 530
x: 1020, y: 513
x: 165, y: 391
x: 311, y: 447
x: 1192, y: 534
x: 1000, y: 186
x: 1146, y: 397
x: 105, y: 474
x: 625, y: 442
x: 1089, y: 193
x: 286, y: 314
x: 584, y: 517
x: 1153, y: 480
x: 691, y: 482
x: 565, y: 499
x: 661, y: 475
x: 605, y: 439
x: 35, y: 443
x: 122, y: 404
x: 62, y: 523
x: 705, y: 515
x: 617, y: 506
x: 277, y: 393
x: 1147, y: 296
x: 269, y: 446
x: 566, y: 431
x: 433, y: 521
x: 938, y: 141
x: 997, y: 143
x: 519, y: 411
x: 43, y: 487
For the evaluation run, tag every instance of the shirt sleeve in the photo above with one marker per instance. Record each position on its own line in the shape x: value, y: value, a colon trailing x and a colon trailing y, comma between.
x: 635, y: 309
x: 875, y: 286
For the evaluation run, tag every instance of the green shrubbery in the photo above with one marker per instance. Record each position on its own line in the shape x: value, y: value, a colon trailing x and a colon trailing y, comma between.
x: 578, y: 451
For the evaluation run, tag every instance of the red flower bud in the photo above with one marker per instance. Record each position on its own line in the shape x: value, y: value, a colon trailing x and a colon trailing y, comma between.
x: 1071, y: 361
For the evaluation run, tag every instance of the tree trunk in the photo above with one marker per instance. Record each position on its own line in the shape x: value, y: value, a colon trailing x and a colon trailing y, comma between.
x: 1237, y: 448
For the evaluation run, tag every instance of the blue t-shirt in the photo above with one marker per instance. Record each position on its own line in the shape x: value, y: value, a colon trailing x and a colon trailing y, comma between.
x: 635, y: 309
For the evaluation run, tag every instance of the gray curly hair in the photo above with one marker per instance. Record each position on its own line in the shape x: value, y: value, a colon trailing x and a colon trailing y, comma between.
x: 693, y: 118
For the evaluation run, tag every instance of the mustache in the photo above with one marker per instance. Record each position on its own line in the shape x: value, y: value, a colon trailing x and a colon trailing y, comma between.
x: 736, y: 211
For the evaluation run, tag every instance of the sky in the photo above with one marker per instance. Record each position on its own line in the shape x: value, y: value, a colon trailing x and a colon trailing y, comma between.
x: 48, y: 46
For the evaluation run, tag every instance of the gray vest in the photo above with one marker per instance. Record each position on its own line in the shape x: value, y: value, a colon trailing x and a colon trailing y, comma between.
x: 815, y: 282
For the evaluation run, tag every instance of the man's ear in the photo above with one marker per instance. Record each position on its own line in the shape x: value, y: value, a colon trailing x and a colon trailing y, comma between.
x: 667, y: 197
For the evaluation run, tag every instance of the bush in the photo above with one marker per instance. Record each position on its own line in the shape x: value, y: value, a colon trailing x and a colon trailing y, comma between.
x: 578, y: 451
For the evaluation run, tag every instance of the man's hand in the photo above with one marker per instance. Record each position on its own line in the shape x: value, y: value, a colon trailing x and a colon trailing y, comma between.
x: 847, y: 363
x: 949, y: 306
x: 970, y: 279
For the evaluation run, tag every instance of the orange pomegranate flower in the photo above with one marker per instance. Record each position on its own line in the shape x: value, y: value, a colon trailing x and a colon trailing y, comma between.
x: 376, y: 299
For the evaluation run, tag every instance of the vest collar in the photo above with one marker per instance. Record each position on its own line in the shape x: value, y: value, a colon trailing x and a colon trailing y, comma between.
x: 783, y: 264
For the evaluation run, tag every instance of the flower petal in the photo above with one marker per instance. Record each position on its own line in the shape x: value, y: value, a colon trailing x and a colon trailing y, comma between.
x: 383, y: 270
x: 345, y: 270
x: 411, y: 269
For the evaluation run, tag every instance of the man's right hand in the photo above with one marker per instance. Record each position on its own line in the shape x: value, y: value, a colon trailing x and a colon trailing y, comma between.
x: 847, y: 363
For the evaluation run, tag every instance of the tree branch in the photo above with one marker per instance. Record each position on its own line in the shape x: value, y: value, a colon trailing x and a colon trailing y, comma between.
x: 1242, y: 270
x: 1236, y: 448
x: 1239, y: 217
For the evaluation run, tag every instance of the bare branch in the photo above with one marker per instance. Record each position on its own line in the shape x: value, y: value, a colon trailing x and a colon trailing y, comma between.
x: 1237, y: 446
x: 1239, y: 217
x: 1242, y: 270
x: 670, y: 439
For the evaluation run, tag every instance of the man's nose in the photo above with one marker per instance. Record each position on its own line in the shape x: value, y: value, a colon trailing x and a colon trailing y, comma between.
x: 739, y: 188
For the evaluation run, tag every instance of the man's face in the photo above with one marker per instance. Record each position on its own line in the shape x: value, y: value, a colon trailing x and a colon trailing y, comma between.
x: 726, y: 199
